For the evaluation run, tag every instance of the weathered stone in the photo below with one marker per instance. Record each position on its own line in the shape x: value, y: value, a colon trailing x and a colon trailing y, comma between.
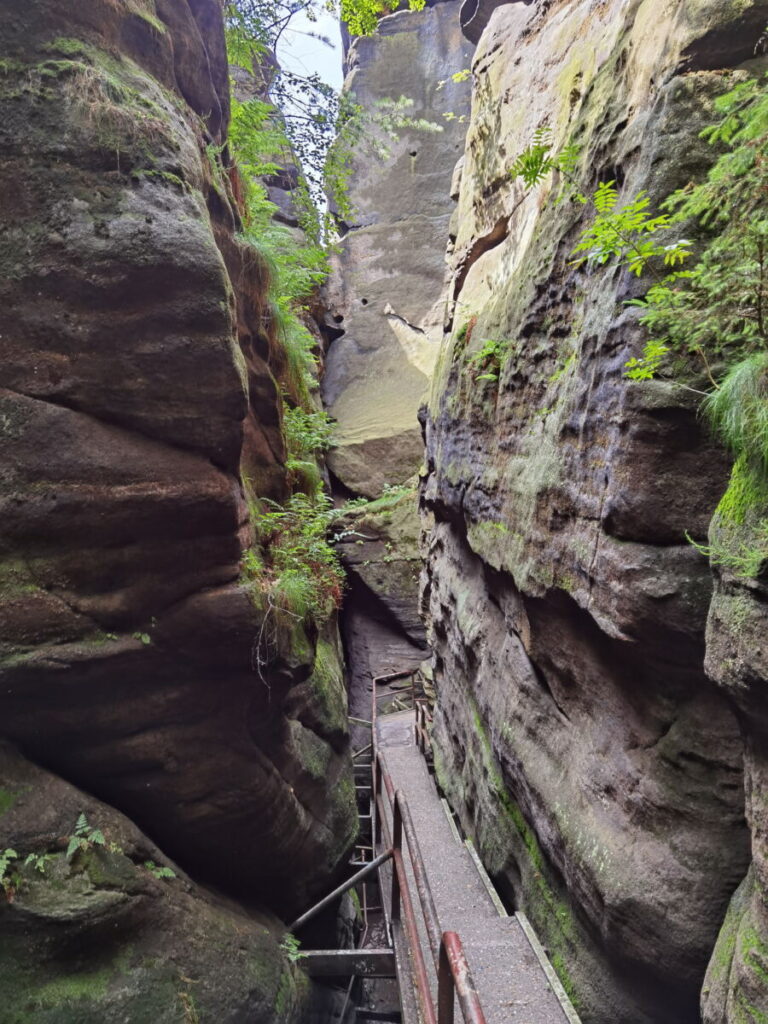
x: 735, y: 988
x: 98, y: 938
x: 140, y: 400
x: 387, y: 283
x: 581, y: 741
x: 383, y: 631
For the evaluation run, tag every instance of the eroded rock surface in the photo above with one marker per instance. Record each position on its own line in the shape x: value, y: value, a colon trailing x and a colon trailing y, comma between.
x: 383, y: 631
x: 594, y: 761
x: 98, y: 937
x: 386, y: 289
x: 735, y: 987
x: 140, y: 390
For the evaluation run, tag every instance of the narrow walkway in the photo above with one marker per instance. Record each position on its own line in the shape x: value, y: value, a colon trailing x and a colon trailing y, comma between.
x: 515, y: 981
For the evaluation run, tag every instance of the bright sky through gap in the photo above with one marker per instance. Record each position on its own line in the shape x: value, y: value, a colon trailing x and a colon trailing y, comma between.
x: 299, y: 52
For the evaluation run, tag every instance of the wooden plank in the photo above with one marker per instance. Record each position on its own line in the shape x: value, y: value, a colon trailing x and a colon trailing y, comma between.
x: 344, y: 963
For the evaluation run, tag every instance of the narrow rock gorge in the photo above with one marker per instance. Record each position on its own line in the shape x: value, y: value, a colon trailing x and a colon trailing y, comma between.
x: 537, y: 531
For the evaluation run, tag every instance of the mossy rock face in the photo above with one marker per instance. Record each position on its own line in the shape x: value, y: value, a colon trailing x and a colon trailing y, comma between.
x: 735, y: 988
x: 380, y: 551
x: 97, y: 937
x: 139, y: 396
x: 593, y: 760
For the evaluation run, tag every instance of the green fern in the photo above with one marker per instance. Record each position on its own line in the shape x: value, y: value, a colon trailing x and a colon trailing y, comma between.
x: 158, y: 871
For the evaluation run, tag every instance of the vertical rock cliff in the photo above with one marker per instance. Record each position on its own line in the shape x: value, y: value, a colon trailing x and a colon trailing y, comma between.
x: 585, y: 743
x: 140, y: 413
x: 384, y: 294
x: 385, y: 311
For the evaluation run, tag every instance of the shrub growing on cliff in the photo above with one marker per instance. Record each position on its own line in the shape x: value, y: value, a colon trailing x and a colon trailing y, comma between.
x: 301, y: 575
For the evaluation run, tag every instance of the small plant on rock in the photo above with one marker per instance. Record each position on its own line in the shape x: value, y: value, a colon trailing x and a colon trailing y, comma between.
x: 37, y: 861
x: 158, y: 871
x: 486, y: 363
x: 84, y: 838
x: 290, y: 945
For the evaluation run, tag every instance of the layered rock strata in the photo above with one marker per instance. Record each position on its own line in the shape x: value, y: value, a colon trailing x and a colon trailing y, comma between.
x: 589, y: 753
x: 114, y: 932
x: 384, y: 294
x: 140, y: 393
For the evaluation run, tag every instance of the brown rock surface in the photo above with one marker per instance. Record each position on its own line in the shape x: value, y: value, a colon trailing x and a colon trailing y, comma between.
x: 98, y: 938
x: 139, y: 389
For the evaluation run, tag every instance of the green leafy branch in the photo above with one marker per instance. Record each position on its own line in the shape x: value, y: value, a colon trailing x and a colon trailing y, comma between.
x: 291, y: 947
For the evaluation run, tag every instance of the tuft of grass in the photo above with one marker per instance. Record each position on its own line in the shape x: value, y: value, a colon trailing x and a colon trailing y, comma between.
x: 738, y: 410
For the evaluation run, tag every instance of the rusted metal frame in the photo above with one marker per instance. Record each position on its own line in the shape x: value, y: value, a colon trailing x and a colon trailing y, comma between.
x: 341, y: 889
x: 405, y: 903
x: 421, y: 726
x: 428, y: 908
x: 454, y: 975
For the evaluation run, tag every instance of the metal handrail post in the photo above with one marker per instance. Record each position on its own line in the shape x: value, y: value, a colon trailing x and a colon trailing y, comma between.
x: 454, y: 968
x: 445, y: 990
x: 397, y: 845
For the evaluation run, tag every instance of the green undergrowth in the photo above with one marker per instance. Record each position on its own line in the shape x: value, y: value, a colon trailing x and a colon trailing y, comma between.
x: 391, y: 497
x: 292, y: 569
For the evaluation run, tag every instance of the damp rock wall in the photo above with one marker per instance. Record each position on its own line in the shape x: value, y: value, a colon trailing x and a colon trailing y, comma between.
x: 140, y: 412
x: 586, y: 727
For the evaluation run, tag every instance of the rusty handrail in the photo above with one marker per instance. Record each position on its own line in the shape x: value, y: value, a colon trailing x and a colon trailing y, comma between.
x: 426, y: 898
x: 454, y: 974
x: 401, y: 894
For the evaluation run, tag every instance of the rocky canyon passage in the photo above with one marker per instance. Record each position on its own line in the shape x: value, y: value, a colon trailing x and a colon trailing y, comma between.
x: 384, y: 485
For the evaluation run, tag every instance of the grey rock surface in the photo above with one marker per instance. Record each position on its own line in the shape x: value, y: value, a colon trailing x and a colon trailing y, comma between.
x: 387, y: 282
x: 578, y: 734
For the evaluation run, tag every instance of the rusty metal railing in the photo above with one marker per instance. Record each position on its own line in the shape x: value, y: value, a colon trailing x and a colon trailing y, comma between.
x: 453, y: 973
x: 454, y: 978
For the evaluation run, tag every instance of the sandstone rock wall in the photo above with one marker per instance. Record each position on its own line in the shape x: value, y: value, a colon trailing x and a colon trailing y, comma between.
x: 385, y: 311
x: 140, y: 389
x: 590, y: 754
x: 115, y: 932
x: 384, y: 294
